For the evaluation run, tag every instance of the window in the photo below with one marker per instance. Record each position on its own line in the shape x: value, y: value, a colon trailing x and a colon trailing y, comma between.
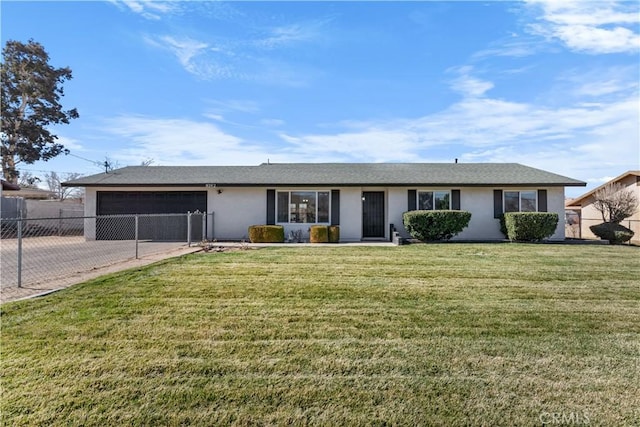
x: 303, y: 206
x: 434, y: 200
x: 520, y: 201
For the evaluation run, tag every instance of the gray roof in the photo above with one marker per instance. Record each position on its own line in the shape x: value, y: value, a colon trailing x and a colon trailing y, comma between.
x: 330, y: 174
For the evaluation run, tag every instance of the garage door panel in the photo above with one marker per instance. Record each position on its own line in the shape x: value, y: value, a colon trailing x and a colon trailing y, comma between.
x: 149, y: 202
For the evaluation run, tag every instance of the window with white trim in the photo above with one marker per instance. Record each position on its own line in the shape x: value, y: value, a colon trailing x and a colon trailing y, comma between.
x: 303, y: 206
x: 434, y: 200
x: 520, y: 201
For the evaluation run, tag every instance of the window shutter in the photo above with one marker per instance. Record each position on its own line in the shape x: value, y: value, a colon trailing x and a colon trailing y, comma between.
x: 411, y: 200
x: 335, y: 207
x: 271, y: 207
x: 497, y: 203
x: 455, y: 200
x: 542, y: 200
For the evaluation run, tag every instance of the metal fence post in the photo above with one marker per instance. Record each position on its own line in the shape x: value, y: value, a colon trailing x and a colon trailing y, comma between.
x: 59, y: 222
x: 189, y: 229
x: 136, y: 234
x: 20, y: 248
x: 204, y: 226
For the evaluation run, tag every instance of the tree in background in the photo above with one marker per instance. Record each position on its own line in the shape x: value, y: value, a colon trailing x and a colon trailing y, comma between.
x: 31, y: 91
x: 615, y: 203
x: 29, y: 180
x: 54, y: 183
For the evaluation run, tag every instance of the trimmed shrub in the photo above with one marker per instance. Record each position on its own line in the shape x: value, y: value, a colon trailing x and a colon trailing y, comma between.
x: 266, y: 234
x: 319, y: 234
x: 334, y: 234
x: 435, y: 225
x: 530, y: 226
x: 614, y: 233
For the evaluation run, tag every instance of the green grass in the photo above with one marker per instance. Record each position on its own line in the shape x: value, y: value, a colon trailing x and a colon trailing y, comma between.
x: 444, y: 334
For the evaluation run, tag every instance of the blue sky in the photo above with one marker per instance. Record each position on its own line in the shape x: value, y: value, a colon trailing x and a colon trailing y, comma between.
x: 550, y: 84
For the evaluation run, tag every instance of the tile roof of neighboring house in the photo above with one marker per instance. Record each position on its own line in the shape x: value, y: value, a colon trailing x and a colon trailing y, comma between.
x: 577, y: 202
x: 30, y: 193
x: 338, y: 174
x: 6, y: 185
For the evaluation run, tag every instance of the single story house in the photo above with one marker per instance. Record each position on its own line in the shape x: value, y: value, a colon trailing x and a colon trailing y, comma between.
x: 365, y: 199
x: 589, y: 215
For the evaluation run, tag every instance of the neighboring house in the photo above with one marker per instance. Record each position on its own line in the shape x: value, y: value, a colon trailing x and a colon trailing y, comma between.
x: 589, y: 215
x: 364, y: 199
x: 30, y: 193
x: 6, y: 185
x: 10, y: 207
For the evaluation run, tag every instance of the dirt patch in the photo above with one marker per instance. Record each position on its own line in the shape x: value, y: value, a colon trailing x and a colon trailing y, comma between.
x: 215, y: 248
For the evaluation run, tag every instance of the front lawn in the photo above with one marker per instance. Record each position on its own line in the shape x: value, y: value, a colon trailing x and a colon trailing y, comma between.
x: 443, y: 334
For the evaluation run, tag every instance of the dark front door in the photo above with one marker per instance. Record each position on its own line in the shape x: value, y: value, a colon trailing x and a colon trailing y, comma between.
x: 373, y: 214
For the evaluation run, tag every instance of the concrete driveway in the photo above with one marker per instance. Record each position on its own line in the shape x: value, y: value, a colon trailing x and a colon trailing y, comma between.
x: 51, y: 263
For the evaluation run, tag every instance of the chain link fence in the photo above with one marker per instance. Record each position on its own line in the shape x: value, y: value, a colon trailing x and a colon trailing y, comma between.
x: 36, y: 250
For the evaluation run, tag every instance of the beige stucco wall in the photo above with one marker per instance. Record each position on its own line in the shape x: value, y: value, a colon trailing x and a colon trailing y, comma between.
x: 591, y: 216
x: 478, y: 201
x: 236, y: 208
x: 350, y: 214
x: 53, y: 208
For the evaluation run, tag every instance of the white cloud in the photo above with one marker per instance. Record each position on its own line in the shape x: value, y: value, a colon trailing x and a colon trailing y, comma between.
x: 179, y: 142
x: 251, y: 57
x: 153, y: 10
x: 70, y: 143
x: 514, y: 46
x: 469, y: 85
x: 576, y: 140
x: 590, y: 27
x: 235, y: 105
x: 272, y: 122
x: 216, y: 62
x: 601, y: 81
x: 291, y: 34
x: 370, y: 145
x: 286, y: 35
x: 184, y: 49
x: 196, y: 57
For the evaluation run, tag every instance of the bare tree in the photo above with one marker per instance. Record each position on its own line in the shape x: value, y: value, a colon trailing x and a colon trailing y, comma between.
x: 29, y: 180
x: 147, y: 162
x: 615, y: 202
x: 54, y: 182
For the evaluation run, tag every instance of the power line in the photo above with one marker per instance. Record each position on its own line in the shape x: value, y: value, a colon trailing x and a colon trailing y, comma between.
x: 87, y: 160
x: 41, y: 170
x: 106, y: 164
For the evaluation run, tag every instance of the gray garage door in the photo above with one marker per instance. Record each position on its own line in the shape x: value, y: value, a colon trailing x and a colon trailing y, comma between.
x: 158, y: 228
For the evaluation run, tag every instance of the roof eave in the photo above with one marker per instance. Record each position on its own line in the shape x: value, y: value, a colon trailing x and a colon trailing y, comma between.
x: 577, y: 202
x: 326, y: 184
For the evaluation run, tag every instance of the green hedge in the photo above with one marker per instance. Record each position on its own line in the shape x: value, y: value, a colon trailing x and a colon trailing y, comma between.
x: 324, y: 234
x: 529, y: 226
x: 435, y: 225
x: 334, y: 234
x: 319, y: 234
x: 614, y: 233
x: 266, y: 234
